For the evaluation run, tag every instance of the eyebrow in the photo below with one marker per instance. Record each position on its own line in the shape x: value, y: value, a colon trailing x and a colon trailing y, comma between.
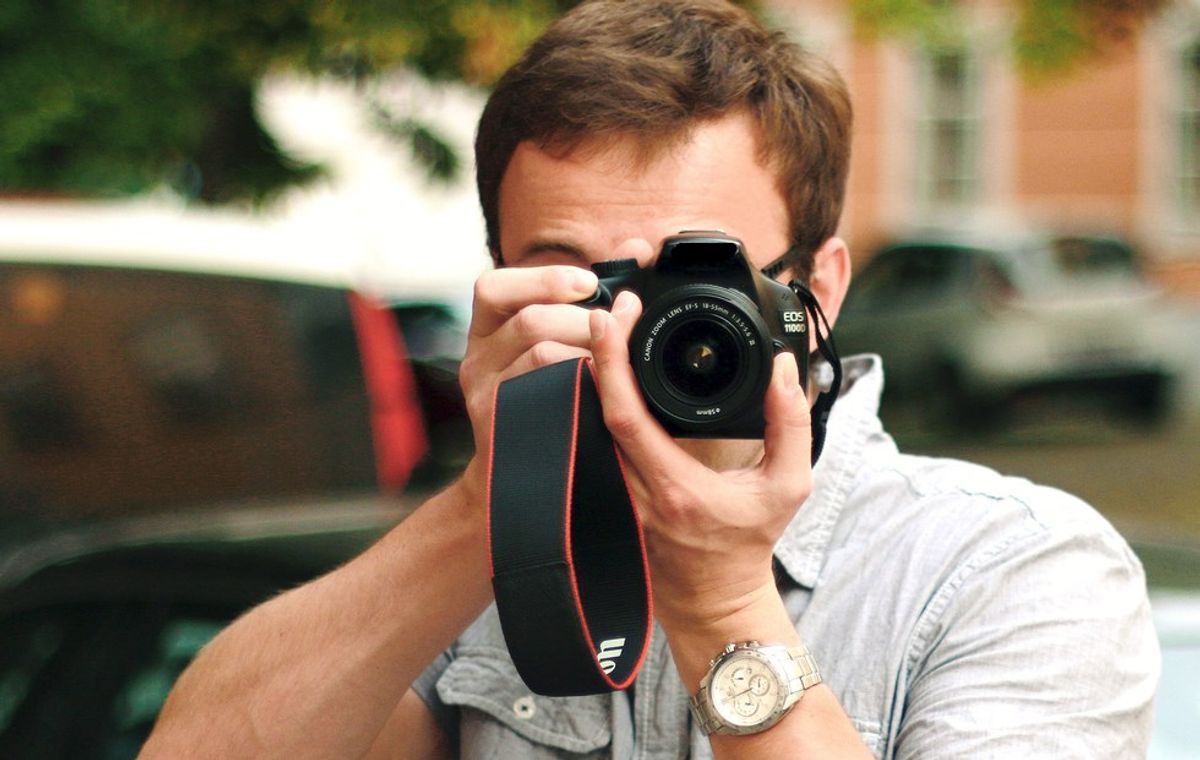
x: 553, y: 246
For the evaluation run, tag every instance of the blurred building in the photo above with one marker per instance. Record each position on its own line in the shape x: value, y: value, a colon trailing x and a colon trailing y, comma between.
x: 1113, y: 145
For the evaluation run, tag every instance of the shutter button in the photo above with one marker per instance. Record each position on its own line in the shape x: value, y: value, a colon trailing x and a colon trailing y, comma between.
x: 525, y: 708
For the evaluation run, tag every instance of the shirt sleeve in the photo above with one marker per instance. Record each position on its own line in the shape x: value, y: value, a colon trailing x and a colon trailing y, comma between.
x: 1041, y: 646
x: 426, y: 688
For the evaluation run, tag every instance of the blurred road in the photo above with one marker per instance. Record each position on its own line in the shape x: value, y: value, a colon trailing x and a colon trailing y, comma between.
x: 1148, y: 485
x: 1147, y: 481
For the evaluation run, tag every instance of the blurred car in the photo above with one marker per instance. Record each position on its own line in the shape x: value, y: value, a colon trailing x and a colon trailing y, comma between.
x: 968, y: 319
x: 99, y: 620
x: 152, y: 362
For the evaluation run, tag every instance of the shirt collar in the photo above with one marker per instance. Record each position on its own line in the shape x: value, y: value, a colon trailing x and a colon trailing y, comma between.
x: 853, y: 425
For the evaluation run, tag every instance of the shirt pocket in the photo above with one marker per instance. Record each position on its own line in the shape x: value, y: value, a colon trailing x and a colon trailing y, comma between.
x: 501, y: 718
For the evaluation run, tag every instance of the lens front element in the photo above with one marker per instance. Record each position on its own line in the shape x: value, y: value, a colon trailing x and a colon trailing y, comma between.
x: 702, y: 355
x: 700, y: 359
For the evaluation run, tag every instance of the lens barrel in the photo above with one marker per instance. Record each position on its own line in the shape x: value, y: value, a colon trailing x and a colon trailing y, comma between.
x: 702, y: 355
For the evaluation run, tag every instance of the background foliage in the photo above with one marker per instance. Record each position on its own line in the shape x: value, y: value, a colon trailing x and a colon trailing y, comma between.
x: 113, y: 97
x: 1049, y: 36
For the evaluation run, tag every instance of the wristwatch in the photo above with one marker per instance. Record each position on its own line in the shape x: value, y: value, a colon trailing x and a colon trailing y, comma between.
x: 750, y: 687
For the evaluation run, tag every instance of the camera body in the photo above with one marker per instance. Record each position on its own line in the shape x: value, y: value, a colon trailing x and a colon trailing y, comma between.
x: 711, y: 324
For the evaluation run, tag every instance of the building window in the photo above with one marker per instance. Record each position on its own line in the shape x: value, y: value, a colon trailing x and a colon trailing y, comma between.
x: 948, y: 131
x: 1189, y: 130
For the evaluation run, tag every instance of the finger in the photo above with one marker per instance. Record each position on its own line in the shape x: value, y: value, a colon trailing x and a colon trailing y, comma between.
x: 646, y: 444
x: 542, y: 355
x: 537, y: 323
x: 488, y: 356
x: 787, y: 443
x: 501, y: 293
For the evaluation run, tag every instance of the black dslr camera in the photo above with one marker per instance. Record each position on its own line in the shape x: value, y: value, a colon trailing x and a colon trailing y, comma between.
x: 711, y: 325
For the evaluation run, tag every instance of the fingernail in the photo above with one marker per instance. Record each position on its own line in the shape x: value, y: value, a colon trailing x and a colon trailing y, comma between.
x: 623, y: 302
x: 584, y: 280
x: 791, y: 373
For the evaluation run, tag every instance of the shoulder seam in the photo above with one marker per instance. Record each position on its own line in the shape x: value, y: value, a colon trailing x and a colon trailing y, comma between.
x: 928, y: 619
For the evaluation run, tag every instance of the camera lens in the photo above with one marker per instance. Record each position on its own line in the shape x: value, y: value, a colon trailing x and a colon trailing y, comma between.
x: 702, y: 355
x: 700, y: 360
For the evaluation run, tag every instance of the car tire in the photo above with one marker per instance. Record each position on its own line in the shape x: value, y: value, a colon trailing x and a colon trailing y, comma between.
x: 954, y: 409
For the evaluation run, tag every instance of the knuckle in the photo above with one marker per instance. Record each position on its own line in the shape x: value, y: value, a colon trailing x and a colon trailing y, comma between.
x: 483, y: 290
x: 468, y: 371
x: 674, y: 501
x: 479, y: 405
x: 528, y: 321
x: 544, y: 353
x: 621, y: 423
x: 789, y: 491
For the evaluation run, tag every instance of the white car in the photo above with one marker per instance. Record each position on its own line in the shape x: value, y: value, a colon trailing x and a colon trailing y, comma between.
x: 967, y: 319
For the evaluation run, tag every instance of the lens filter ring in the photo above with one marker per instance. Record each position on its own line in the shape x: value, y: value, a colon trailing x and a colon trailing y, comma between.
x: 702, y: 355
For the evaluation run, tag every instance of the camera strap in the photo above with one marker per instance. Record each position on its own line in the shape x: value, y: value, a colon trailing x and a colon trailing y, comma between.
x: 569, y: 566
x: 568, y: 557
x: 823, y: 404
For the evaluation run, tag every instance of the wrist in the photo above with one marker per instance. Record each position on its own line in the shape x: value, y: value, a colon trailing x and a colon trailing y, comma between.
x: 724, y: 598
x: 469, y: 490
x: 695, y: 642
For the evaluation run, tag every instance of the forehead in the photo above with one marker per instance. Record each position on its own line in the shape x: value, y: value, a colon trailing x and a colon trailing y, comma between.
x: 588, y: 200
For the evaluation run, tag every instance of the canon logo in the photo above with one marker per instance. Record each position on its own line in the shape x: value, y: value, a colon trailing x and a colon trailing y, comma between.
x: 610, y: 650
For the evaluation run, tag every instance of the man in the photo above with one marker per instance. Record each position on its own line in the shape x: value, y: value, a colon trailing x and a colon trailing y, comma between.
x: 952, y: 612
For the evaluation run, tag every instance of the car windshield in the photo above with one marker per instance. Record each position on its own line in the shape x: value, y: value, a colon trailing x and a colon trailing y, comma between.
x: 1084, y: 256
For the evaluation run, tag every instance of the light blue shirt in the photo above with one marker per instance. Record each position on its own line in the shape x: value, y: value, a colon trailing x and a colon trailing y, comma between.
x: 955, y: 613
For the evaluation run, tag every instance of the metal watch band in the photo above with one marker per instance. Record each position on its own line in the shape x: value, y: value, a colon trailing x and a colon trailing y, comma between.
x: 797, y: 663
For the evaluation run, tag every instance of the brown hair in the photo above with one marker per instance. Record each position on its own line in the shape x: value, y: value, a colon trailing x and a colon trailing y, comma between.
x: 652, y: 70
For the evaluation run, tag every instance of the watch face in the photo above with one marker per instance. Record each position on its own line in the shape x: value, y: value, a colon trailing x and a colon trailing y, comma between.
x: 745, y: 691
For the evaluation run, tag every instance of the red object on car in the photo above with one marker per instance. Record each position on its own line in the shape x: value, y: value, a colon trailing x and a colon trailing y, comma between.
x: 397, y: 424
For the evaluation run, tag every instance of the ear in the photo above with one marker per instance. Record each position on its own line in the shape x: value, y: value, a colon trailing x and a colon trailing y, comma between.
x: 831, y: 276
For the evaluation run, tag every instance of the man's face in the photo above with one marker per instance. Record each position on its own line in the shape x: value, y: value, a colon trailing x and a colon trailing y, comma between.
x: 595, y: 204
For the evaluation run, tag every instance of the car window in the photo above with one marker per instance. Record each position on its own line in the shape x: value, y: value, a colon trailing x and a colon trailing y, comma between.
x: 125, y: 390
x: 88, y: 680
x: 140, y: 699
x: 29, y: 645
x: 1093, y: 256
x: 910, y: 275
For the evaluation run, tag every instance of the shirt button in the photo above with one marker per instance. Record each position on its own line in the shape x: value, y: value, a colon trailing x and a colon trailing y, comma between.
x: 525, y: 708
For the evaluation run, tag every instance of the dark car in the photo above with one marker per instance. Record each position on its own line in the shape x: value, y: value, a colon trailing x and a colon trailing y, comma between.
x: 99, y: 620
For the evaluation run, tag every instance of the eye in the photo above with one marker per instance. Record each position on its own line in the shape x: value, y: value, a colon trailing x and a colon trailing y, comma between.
x: 545, y: 253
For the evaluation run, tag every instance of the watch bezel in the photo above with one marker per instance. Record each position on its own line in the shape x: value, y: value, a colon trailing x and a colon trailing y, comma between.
x: 730, y: 658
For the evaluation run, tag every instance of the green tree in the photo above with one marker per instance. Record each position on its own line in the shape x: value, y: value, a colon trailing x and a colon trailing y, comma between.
x: 113, y: 97
x: 1049, y: 36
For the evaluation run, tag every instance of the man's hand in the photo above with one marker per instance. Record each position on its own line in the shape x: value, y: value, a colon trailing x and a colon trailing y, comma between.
x: 710, y: 534
x: 522, y: 319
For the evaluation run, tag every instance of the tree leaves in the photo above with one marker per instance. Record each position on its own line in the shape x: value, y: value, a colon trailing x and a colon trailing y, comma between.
x: 1049, y: 37
x: 112, y: 97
